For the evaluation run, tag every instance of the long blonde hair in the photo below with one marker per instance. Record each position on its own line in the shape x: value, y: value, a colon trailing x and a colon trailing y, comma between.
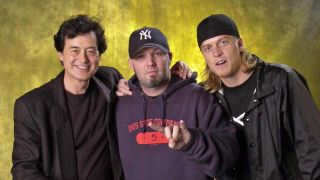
x: 212, y: 82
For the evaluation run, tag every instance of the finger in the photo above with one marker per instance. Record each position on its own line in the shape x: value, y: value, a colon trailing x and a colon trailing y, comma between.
x: 172, y: 143
x: 123, y: 84
x: 190, y: 73
x: 167, y: 132
x: 183, y: 126
x: 123, y: 88
x: 156, y: 127
x: 123, y: 92
x: 186, y: 136
x: 185, y: 72
x: 175, y: 132
x: 118, y: 93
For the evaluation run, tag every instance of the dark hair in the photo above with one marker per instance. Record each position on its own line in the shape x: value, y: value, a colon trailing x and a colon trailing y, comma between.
x: 80, y: 24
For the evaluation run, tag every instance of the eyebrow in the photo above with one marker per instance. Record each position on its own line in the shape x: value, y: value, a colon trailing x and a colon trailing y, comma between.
x: 210, y: 44
x: 76, y: 47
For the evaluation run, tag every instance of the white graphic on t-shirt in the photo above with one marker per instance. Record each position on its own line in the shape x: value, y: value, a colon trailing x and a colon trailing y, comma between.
x: 239, y: 119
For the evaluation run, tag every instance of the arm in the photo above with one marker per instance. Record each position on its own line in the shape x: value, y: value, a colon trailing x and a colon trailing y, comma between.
x: 213, y: 145
x: 303, y: 114
x: 26, y: 147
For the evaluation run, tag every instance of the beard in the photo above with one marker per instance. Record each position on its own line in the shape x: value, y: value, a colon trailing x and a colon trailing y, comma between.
x: 155, y: 82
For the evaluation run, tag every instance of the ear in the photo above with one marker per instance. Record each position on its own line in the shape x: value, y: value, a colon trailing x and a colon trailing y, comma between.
x: 170, y: 57
x: 240, y: 44
x: 130, y: 63
x: 60, y: 57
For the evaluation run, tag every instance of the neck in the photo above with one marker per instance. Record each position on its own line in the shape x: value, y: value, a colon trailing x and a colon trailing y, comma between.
x: 155, y: 91
x: 79, y: 87
x: 238, y: 79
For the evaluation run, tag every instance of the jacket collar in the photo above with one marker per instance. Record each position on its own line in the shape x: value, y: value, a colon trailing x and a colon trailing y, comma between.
x: 263, y: 88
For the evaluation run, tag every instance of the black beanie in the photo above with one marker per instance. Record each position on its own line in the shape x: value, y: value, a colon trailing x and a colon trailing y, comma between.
x: 215, y: 25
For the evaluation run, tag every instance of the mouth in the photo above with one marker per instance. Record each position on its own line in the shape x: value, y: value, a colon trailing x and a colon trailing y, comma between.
x: 151, y: 72
x: 220, y: 62
x: 82, y: 67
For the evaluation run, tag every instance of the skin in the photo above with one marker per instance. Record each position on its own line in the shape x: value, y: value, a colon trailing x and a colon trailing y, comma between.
x: 80, y: 58
x: 151, y: 67
x: 223, y: 56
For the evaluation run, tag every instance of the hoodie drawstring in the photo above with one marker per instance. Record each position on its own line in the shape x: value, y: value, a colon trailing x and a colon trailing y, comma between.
x: 144, y: 110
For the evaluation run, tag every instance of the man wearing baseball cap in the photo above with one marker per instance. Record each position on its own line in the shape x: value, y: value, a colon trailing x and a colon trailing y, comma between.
x: 169, y: 128
x: 270, y: 104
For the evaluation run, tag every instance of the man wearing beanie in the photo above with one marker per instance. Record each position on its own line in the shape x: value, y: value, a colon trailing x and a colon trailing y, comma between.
x: 170, y: 128
x: 270, y: 104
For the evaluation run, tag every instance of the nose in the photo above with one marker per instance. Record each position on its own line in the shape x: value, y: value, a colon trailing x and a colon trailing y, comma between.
x: 216, y: 51
x: 150, y: 60
x: 83, y: 57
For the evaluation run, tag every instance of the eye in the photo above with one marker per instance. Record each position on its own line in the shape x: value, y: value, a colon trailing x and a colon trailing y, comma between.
x: 207, y: 48
x: 139, y: 56
x: 159, y: 53
x: 223, y: 42
x: 91, y: 52
x: 75, y: 51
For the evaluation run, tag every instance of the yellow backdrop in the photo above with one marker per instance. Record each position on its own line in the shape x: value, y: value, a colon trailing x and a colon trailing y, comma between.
x: 284, y: 31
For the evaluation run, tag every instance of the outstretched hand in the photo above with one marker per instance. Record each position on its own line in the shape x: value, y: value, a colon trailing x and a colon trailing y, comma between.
x: 177, y: 135
x: 181, y: 69
x: 123, y: 88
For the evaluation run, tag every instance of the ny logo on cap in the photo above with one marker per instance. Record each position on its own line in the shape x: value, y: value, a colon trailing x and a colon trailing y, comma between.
x: 145, y: 34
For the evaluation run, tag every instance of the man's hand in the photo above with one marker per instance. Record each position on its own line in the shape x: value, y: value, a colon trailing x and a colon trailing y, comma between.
x: 123, y: 88
x: 177, y: 135
x: 181, y: 69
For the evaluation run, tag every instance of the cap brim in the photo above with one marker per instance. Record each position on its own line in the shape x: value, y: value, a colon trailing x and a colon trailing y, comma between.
x: 148, y: 45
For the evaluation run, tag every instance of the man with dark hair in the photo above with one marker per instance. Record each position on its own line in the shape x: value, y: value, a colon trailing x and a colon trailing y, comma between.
x: 63, y: 129
x: 157, y: 114
x: 270, y: 104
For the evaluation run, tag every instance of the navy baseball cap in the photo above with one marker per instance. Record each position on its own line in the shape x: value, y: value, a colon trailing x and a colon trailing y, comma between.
x: 147, y: 37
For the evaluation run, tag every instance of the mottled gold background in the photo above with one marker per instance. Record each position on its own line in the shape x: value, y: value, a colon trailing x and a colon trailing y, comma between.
x: 283, y: 31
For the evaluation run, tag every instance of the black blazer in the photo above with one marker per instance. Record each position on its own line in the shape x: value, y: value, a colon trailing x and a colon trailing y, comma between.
x: 43, y: 144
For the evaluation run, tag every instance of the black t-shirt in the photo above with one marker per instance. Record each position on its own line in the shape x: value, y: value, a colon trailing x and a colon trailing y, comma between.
x: 87, y: 113
x: 238, y: 99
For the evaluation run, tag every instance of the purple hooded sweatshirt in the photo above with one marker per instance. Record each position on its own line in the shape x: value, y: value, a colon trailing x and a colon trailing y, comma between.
x: 145, y: 154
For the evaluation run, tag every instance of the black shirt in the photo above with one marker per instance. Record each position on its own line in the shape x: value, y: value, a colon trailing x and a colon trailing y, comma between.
x: 87, y: 113
x: 238, y: 99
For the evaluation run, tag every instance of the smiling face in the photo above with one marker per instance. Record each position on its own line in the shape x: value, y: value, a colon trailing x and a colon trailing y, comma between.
x: 151, y: 67
x: 222, y: 55
x: 80, y: 58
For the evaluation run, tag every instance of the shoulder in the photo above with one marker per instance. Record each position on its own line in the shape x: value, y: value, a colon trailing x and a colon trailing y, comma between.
x: 196, y: 92
x: 108, y: 75
x: 281, y: 76
x: 283, y: 72
x: 40, y: 95
x: 279, y: 69
x: 107, y: 71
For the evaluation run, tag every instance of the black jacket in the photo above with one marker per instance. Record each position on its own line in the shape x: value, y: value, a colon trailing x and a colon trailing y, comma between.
x: 43, y: 143
x: 282, y: 126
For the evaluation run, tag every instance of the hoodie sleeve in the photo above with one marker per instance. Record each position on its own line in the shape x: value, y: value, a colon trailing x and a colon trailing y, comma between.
x: 213, y: 144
